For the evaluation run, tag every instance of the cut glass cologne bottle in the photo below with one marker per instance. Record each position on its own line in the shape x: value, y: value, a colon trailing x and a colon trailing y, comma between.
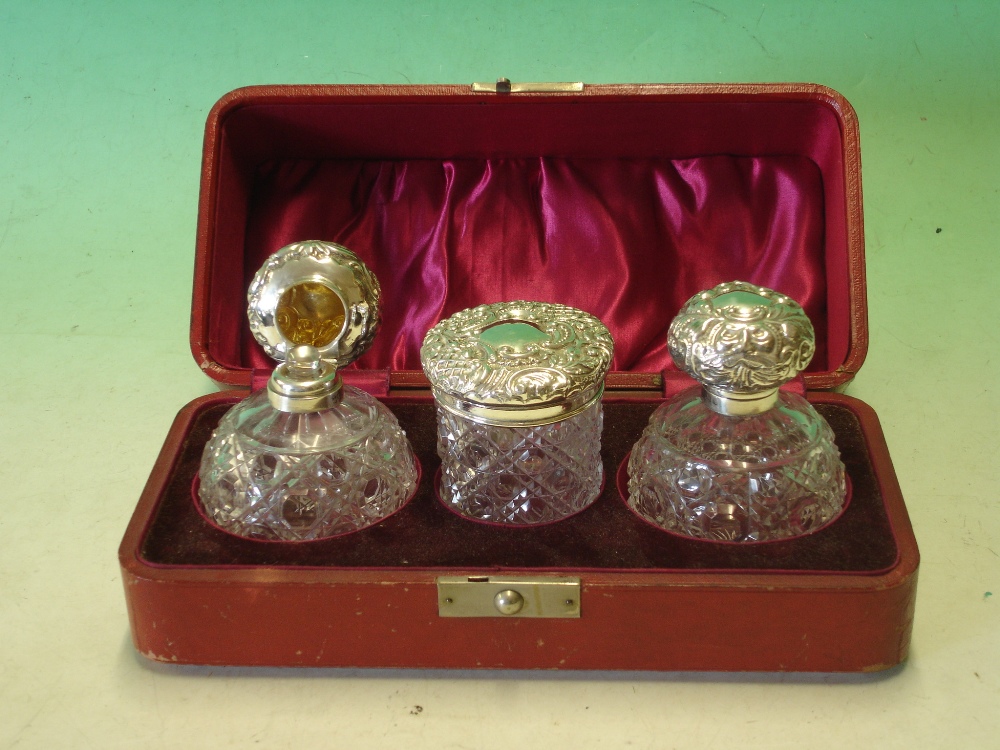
x: 518, y: 388
x: 308, y: 457
x: 736, y: 459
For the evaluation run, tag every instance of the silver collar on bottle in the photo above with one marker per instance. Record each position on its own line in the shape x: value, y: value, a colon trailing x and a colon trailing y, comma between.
x: 304, y: 383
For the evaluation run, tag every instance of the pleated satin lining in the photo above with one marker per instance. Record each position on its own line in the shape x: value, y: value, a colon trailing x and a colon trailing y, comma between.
x: 627, y: 240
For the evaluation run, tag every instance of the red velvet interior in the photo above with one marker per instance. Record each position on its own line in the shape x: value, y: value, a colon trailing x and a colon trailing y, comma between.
x: 623, y: 207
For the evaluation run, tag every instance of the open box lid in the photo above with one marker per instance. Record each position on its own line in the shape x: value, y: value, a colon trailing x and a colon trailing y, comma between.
x: 621, y: 200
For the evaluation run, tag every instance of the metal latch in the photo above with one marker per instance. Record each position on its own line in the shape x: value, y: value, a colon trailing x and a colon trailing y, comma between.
x: 504, y: 86
x: 508, y: 596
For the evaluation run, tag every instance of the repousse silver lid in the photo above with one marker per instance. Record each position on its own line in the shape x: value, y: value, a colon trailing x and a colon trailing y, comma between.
x: 316, y: 294
x: 741, y: 342
x: 517, y: 363
x: 315, y: 306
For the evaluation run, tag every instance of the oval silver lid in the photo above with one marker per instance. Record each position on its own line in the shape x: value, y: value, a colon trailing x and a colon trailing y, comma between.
x: 741, y: 342
x: 315, y: 294
x: 517, y: 363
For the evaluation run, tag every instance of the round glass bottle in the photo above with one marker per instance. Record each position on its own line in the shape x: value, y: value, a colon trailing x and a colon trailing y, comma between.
x: 518, y: 388
x: 736, y: 459
x: 308, y: 457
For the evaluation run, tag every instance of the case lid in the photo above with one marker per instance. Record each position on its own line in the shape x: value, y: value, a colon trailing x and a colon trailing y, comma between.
x: 621, y: 201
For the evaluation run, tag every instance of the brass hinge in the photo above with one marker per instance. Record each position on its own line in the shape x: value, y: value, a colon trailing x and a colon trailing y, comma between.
x: 504, y: 86
x: 508, y: 596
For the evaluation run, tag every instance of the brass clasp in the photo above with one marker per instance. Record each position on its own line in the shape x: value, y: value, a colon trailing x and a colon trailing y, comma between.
x: 508, y: 596
x: 504, y: 86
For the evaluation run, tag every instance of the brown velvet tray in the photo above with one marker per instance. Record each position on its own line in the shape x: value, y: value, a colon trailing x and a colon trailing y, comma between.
x: 605, y: 536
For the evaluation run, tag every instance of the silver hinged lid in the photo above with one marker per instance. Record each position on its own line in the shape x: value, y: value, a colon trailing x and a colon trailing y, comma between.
x: 517, y: 363
x: 315, y: 294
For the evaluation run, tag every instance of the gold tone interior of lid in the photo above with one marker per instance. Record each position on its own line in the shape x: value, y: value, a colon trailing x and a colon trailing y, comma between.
x: 310, y: 314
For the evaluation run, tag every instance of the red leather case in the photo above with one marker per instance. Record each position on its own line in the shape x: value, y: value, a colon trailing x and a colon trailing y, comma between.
x: 621, y: 200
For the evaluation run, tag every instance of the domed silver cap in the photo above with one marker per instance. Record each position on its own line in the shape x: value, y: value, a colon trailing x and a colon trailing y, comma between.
x: 741, y: 342
x: 316, y: 294
x: 517, y: 364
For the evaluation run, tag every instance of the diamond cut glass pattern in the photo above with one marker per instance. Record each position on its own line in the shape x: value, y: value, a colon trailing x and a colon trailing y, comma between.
x: 518, y: 388
x: 729, y: 478
x: 520, y: 475
x: 268, y: 474
x: 737, y: 459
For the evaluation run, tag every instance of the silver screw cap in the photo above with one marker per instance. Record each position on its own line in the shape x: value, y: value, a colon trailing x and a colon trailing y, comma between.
x: 741, y: 342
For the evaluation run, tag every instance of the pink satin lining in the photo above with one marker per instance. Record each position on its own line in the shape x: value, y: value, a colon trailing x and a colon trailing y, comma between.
x: 628, y: 240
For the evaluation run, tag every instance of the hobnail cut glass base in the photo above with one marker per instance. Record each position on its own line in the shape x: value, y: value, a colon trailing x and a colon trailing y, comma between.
x: 520, y: 475
x: 745, y: 479
x: 267, y: 474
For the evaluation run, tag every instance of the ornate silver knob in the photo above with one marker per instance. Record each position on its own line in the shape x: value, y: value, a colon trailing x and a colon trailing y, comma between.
x: 741, y: 342
x: 316, y: 294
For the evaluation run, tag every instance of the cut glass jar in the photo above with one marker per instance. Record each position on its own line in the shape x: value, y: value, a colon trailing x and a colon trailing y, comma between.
x: 736, y: 459
x: 518, y: 388
x: 308, y: 457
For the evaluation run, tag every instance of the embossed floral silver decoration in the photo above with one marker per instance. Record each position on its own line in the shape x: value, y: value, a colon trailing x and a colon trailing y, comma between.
x: 741, y: 338
x: 314, y: 293
x: 518, y: 387
x: 736, y: 459
x: 535, y: 361
x: 308, y: 457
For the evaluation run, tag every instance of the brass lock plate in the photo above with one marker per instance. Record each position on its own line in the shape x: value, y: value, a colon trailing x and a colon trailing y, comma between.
x: 508, y: 596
